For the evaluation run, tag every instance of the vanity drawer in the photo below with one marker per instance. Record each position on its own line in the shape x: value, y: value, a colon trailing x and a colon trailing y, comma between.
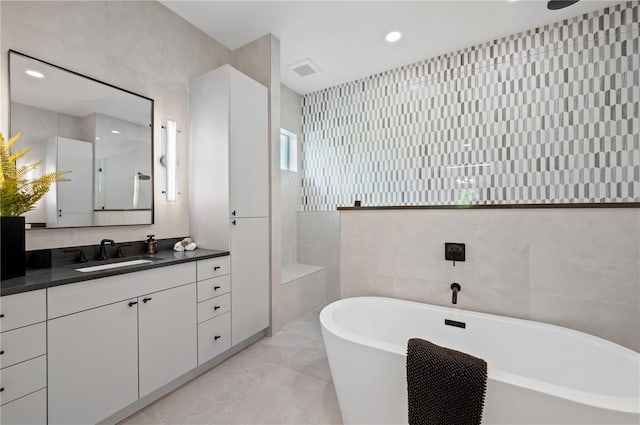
x: 214, y: 307
x: 29, y: 410
x: 214, y: 337
x: 214, y: 287
x: 23, y: 344
x: 75, y: 297
x: 23, y: 309
x: 22, y: 379
x: 213, y: 267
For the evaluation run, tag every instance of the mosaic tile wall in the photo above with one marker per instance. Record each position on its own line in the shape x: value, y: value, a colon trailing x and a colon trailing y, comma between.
x: 551, y: 115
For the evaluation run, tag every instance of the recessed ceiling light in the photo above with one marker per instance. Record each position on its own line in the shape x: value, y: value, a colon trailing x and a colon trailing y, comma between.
x: 34, y: 74
x: 393, y: 36
x: 115, y: 131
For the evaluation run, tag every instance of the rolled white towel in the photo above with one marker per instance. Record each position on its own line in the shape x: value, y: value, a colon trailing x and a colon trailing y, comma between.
x: 191, y: 246
x: 178, y: 247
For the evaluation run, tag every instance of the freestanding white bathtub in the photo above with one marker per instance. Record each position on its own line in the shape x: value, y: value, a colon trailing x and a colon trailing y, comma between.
x: 538, y: 373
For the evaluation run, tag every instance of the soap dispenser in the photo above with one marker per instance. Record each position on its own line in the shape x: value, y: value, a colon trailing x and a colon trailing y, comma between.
x: 150, y: 245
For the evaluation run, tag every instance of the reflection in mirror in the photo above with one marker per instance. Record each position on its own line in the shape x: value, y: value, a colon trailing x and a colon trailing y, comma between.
x: 123, y: 174
x: 102, y: 134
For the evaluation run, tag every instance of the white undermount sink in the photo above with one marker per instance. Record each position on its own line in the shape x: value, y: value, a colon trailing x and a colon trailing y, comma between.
x: 113, y: 265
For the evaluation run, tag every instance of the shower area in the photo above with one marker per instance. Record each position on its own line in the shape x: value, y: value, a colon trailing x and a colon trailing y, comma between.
x: 130, y: 174
x: 310, y: 240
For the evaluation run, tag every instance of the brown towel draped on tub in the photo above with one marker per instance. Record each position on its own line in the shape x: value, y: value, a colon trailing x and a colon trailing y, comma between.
x: 445, y: 387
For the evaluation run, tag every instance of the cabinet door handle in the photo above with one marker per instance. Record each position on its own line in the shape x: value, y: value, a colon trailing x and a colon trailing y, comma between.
x: 217, y: 337
x: 233, y: 222
x: 1, y: 389
x: 132, y: 303
x: 216, y: 307
x: 217, y: 268
x: 233, y: 213
x: 145, y: 300
x: 1, y: 315
x: 1, y: 352
x: 215, y: 288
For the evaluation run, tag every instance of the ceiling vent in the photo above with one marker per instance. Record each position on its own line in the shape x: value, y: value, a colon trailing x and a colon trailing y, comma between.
x: 304, y: 68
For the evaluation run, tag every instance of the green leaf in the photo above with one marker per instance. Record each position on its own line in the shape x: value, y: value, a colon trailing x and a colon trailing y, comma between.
x: 17, y: 194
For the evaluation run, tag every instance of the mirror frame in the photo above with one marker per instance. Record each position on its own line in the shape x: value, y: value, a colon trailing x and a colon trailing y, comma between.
x: 153, y: 162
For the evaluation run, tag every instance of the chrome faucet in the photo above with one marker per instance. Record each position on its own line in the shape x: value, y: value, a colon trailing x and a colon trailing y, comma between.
x: 455, y: 287
x: 103, y: 251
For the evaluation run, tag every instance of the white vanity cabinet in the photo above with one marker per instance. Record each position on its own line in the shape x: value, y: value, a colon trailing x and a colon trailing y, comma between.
x: 249, y: 278
x: 93, y: 363
x: 19, y: 310
x: 28, y: 410
x: 229, y: 195
x: 96, y: 350
x: 23, y: 359
x: 214, y: 308
x: 114, y: 340
x: 167, y: 336
x: 103, y: 359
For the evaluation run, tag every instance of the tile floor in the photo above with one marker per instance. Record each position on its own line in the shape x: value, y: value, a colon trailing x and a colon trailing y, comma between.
x: 280, y: 380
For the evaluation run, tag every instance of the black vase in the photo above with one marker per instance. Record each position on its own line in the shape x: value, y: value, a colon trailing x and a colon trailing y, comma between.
x: 12, y: 247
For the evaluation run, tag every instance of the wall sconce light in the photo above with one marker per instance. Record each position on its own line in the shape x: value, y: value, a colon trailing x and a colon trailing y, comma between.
x: 170, y: 160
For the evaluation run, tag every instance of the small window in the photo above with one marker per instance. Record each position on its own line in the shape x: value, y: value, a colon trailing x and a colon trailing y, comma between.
x: 288, y: 150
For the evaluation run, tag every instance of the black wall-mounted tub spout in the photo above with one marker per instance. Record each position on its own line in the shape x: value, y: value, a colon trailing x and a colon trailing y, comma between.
x: 455, y: 287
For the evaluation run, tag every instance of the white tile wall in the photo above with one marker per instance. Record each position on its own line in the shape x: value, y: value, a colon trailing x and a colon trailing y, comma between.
x: 290, y: 181
x: 290, y: 187
x: 578, y: 268
x: 306, y: 238
x: 537, y: 117
x: 304, y: 294
x: 319, y: 245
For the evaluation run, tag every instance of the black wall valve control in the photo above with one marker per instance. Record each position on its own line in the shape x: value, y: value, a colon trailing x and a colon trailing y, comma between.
x: 454, y: 252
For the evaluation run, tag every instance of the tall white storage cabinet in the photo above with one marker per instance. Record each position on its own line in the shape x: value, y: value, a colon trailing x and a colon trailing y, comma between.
x: 229, y: 187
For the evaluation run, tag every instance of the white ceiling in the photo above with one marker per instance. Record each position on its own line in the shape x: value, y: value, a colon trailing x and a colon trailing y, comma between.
x: 346, y: 38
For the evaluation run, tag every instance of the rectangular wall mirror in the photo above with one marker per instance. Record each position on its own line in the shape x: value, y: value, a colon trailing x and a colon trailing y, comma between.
x: 101, y: 133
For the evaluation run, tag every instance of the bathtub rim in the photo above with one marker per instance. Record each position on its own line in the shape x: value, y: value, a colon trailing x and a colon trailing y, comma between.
x: 630, y: 405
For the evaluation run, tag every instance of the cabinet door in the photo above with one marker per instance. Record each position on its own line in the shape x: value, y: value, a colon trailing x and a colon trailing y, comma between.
x: 249, y: 277
x: 93, y: 363
x: 168, y: 336
x: 214, y: 337
x: 248, y: 148
x: 75, y: 197
x: 28, y: 410
x: 23, y: 344
x: 24, y: 309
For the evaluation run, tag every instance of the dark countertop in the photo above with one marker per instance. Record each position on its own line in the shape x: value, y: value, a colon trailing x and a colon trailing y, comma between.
x: 62, y: 275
